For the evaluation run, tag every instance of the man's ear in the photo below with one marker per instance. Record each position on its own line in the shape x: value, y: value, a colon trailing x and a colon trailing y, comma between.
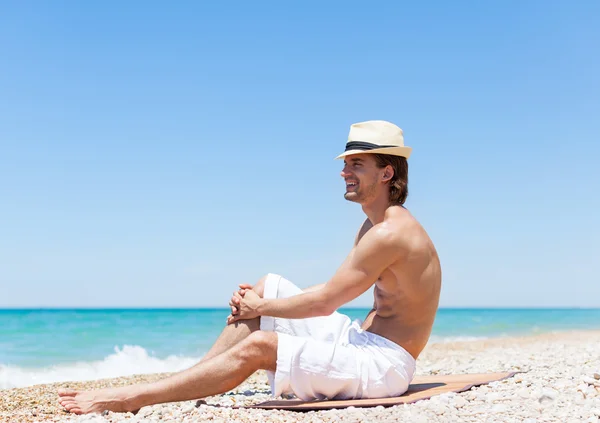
x: 388, y: 173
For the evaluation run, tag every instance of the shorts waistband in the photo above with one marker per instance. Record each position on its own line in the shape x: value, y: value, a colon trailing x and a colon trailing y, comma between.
x: 378, y: 339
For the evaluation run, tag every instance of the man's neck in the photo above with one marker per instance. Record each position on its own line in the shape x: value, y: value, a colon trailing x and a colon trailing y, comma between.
x: 375, y: 210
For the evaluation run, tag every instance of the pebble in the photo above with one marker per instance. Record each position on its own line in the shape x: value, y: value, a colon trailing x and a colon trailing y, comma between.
x: 591, y: 381
x: 499, y: 408
x: 460, y: 402
x: 188, y: 408
x: 492, y: 397
x: 438, y: 408
x: 550, y: 393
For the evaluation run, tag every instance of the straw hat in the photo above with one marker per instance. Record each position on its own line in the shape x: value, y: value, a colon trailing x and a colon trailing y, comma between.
x: 376, y: 136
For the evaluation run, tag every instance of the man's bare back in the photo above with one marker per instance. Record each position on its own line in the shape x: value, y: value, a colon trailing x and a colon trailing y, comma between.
x: 407, y: 292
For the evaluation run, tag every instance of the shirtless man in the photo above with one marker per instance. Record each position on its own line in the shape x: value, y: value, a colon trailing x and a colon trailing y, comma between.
x: 307, y: 348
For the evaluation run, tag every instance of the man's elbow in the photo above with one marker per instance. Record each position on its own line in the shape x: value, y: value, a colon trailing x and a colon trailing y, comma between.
x: 321, y: 303
x: 325, y: 308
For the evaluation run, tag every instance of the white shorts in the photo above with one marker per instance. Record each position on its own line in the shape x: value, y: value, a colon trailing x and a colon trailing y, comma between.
x: 331, y: 357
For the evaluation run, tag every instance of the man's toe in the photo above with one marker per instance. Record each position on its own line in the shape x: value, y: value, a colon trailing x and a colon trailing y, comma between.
x: 70, y: 406
x: 67, y: 392
x: 67, y: 404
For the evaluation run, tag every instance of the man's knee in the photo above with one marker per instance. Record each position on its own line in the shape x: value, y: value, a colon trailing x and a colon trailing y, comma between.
x: 259, y: 347
x: 259, y: 287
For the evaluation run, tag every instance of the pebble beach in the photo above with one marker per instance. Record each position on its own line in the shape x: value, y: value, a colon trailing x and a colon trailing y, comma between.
x: 558, y: 381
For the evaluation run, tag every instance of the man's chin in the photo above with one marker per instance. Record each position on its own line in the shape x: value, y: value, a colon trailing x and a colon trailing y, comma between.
x: 351, y: 196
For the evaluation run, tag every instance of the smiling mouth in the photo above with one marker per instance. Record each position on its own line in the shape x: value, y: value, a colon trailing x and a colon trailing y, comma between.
x: 350, y: 185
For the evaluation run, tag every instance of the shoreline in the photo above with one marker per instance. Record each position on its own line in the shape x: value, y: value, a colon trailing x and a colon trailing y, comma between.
x: 558, y: 383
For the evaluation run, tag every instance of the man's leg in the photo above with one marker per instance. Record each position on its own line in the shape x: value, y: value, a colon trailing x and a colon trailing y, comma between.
x: 236, y: 332
x: 210, y: 377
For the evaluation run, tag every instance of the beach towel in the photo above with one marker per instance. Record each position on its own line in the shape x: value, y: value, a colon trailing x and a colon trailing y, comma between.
x: 422, y: 387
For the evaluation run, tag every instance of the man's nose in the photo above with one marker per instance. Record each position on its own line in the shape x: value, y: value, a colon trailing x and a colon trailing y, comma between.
x: 344, y: 173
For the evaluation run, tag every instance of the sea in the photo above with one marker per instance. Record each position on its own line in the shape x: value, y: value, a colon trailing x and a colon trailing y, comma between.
x: 54, y: 345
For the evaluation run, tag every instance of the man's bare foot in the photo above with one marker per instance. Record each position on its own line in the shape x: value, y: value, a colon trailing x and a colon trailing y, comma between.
x: 111, y: 399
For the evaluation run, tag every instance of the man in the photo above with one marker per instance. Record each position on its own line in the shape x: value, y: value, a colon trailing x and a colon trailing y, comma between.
x: 307, y: 348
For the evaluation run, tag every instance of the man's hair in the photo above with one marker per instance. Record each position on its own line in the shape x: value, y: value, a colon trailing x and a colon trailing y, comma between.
x: 399, y: 182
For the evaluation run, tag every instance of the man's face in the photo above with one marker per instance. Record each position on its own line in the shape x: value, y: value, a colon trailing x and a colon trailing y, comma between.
x: 361, y: 175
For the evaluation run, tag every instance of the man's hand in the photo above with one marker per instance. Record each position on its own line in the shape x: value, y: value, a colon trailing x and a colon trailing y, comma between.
x: 247, y: 308
x: 234, y: 302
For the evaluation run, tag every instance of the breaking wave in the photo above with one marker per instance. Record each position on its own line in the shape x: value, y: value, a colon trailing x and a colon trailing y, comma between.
x: 129, y: 360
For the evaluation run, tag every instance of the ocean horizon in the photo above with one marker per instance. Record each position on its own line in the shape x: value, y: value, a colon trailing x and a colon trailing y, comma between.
x: 44, y: 345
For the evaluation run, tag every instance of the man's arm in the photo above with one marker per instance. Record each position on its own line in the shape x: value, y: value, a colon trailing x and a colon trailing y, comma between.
x: 379, y: 248
x: 363, y: 229
x: 313, y: 288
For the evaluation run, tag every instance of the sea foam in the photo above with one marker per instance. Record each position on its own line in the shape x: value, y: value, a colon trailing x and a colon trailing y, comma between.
x: 129, y: 360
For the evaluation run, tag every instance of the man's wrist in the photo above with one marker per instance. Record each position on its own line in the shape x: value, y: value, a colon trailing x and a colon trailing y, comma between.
x: 262, y: 306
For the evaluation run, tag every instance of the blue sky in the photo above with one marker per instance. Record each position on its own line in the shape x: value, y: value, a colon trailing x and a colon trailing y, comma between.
x: 157, y: 155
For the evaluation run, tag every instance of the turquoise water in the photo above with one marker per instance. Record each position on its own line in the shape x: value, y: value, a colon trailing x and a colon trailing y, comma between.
x: 38, y: 346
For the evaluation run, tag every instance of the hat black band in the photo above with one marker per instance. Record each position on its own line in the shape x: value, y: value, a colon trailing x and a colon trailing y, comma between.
x: 363, y: 145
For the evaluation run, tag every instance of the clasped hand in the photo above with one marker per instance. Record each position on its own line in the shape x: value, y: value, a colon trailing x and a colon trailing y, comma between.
x: 244, y: 304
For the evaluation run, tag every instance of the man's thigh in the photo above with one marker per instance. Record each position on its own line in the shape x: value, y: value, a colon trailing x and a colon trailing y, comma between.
x: 313, y: 369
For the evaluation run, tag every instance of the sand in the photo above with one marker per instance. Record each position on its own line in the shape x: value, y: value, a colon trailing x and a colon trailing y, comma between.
x: 560, y: 383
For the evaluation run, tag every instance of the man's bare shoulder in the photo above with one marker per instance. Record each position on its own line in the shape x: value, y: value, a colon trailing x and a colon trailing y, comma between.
x: 388, y: 234
x: 405, y: 230
x: 399, y: 231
